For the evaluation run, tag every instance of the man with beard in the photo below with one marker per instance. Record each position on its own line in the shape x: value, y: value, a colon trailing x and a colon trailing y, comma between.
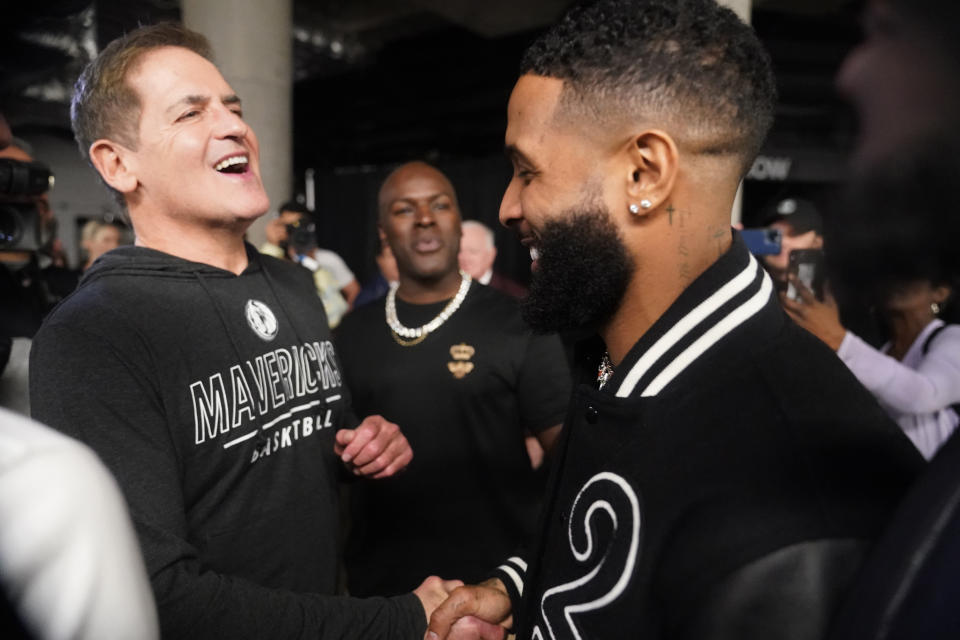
x: 725, y: 475
x: 455, y: 364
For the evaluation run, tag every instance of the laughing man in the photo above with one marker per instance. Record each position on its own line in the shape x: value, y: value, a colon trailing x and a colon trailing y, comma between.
x: 202, y: 373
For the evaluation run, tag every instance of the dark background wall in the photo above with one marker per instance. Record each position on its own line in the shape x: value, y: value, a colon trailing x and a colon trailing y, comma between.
x: 380, y: 82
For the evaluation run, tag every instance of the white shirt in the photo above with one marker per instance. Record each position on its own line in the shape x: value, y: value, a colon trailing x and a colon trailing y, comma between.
x: 918, y: 391
x: 335, y: 265
x: 69, y: 559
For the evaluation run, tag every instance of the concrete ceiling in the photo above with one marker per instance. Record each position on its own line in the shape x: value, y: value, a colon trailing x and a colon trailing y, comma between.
x: 451, y: 61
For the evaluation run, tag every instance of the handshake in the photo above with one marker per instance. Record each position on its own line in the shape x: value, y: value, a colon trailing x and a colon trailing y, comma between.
x: 459, y: 612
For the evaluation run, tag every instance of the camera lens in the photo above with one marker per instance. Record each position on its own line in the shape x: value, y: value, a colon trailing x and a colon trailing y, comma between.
x: 24, y: 178
x: 11, y: 227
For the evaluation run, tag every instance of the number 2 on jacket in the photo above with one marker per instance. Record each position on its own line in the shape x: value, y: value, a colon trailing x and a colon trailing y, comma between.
x: 606, y: 502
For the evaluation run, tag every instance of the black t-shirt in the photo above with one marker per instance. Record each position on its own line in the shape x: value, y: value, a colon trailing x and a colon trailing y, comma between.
x: 464, y: 397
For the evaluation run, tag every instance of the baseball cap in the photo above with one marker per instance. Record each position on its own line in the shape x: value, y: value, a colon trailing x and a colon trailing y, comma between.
x: 801, y: 214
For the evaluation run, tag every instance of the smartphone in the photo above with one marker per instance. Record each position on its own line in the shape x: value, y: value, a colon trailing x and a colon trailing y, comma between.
x: 806, y: 265
x: 762, y: 242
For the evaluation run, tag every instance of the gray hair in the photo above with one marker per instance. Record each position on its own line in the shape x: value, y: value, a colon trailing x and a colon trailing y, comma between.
x: 487, y: 231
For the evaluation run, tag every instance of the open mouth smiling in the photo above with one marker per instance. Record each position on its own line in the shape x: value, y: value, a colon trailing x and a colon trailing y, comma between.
x: 233, y: 164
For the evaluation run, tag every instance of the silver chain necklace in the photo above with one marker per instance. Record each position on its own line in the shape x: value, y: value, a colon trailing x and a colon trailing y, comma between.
x: 407, y: 337
x: 604, y: 371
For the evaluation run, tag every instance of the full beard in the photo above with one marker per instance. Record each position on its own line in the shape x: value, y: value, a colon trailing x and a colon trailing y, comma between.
x: 582, y: 275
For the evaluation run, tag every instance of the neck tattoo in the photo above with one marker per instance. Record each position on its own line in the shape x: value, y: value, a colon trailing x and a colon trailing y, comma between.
x: 407, y: 337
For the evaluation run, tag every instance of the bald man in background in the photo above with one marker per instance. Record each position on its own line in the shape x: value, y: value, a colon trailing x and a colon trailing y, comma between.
x: 456, y: 365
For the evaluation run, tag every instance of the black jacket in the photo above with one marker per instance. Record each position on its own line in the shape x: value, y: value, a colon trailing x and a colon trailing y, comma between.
x: 214, y: 399
x: 724, y: 484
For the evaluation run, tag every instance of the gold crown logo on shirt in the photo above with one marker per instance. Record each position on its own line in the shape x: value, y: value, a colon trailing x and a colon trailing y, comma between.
x: 461, y: 365
x: 462, y: 351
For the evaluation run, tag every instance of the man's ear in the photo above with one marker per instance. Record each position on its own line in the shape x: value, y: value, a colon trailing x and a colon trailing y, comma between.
x: 113, y: 162
x: 652, y: 169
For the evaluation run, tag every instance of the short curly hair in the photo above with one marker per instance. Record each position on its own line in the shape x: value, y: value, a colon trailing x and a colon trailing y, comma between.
x: 691, y: 62
x: 104, y: 105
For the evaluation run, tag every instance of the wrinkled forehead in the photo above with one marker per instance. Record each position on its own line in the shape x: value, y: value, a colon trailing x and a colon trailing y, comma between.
x: 165, y: 76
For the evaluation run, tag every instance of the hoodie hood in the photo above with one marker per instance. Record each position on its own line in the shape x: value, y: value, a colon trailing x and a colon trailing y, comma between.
x: 133, y: 260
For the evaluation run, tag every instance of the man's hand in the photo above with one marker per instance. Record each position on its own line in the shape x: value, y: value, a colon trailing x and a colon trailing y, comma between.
x: 433, y: 591
x: 375, y: 449
x: 481, y: 611
x: 822, y: 319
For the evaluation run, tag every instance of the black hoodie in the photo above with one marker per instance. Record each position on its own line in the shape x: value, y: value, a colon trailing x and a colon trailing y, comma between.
x: 214, y: 399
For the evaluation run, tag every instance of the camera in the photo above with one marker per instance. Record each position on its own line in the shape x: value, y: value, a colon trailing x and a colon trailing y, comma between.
x: 20, y: 224
x: 302, y: 237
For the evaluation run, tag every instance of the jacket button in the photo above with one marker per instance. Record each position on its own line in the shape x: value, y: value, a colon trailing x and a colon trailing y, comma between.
x: 591, y: 414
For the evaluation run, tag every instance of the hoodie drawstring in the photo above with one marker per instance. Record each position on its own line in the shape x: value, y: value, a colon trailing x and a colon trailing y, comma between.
x: 220, y: 314
x: 286, y: 312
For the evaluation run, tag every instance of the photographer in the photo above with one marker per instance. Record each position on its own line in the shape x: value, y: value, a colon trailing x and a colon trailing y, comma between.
x: 801, y: 228
x: 916, y: 375
x: 293, y: 235
x: 69, y: 560
x: 26, y: 226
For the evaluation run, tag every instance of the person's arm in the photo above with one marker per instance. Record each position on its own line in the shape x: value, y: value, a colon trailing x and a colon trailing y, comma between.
x: 489, y: 603
x: 276, y: 234
x: 347, y: 282
x: 934, y: 385
x: 350, y: 292
x: 822, y: 319
x: 788, y: 594
x: 544, y: 388
x: 84, y: 387
x: 68, y: 554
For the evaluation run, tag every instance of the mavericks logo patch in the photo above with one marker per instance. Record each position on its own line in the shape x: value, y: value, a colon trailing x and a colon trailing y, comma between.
x: 261, y: 319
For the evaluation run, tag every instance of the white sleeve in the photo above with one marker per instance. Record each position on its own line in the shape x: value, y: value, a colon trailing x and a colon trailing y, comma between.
x: 335, y: 265
x: 935, y: 384
x: 68, y: 554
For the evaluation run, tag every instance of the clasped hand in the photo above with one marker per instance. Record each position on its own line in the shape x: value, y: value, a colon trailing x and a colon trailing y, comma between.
x: 376, y: 448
